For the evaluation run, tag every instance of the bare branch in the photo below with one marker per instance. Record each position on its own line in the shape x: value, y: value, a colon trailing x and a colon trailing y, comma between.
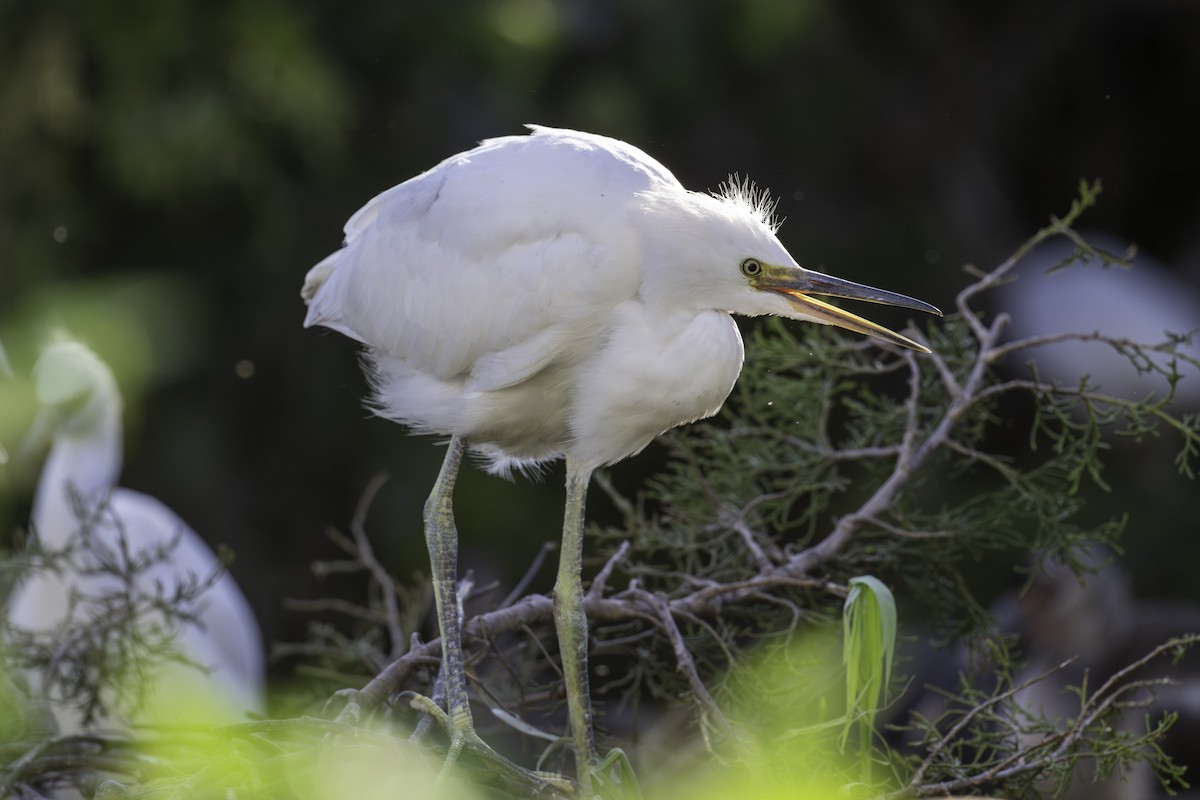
x: 535, y: 566
x: 600, y: 582
x: 684, y: 662
x: 387, y: 586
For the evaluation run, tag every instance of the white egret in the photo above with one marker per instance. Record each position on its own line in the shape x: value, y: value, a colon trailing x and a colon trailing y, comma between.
x: 557, y: 295
x: 81, y: 411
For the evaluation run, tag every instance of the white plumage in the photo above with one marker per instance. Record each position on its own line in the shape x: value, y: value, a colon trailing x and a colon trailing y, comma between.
x: 81, y: 409
x: 553, y: 295
x: 549, y: 294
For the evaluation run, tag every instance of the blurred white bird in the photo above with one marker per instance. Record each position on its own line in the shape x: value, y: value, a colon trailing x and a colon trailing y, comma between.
x: 557, y: 295
x: 81, y: 411
x: 1141, y: 303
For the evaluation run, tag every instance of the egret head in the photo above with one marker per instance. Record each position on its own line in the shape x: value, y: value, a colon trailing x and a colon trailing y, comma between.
x: 75, y: 389
x: 721, y: 252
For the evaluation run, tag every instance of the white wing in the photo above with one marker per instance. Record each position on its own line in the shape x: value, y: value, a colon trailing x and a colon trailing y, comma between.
x: 227, y: 640
x: 226, y: 643
x: 494, y: 262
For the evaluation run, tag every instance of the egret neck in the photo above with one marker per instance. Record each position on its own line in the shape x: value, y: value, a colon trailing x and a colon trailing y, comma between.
x: 84, y: 463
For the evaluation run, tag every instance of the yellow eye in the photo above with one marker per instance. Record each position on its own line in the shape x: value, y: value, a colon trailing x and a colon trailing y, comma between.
x: 752, y: 268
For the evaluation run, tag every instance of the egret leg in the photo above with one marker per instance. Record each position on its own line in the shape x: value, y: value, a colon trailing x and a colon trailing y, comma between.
x: 441, y: 537
x: 571, y: 624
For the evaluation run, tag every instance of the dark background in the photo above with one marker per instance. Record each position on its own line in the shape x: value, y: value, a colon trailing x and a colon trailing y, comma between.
x: 170, y: 170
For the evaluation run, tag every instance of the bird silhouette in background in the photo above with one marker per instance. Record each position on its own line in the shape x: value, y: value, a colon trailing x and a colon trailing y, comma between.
x: 113, y: 536
x: 557, y: 295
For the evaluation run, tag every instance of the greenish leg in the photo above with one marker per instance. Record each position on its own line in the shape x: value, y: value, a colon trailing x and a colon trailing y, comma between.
x: 572, y: 626
x: 441, y: 538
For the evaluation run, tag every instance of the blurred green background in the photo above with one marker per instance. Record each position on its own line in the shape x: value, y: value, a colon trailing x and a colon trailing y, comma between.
x: 170, y: 169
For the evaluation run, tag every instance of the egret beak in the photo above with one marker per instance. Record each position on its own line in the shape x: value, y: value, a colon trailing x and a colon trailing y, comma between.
x: 798, y: 284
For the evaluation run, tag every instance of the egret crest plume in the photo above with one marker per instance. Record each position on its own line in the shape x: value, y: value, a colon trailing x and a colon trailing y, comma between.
x: 755, y: 200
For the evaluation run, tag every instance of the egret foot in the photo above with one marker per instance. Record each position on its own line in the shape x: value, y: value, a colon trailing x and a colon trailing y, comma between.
x: 613, y: 778
x: 534, y: 782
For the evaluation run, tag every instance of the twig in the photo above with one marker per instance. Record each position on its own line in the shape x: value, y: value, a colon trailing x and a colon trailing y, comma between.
x: 601, y: 479
x: 1020, y: 762
x: 760, y: 558
x: 334, y: 604
x: 908, y: 461
x: 907, y: 534
x: 518, y: 591
x: 600, y: 582
x: 967, y: 719
x: 387, y: 586
x: 949, y: 379
x: 1169, y: 347
x: 684, y: 662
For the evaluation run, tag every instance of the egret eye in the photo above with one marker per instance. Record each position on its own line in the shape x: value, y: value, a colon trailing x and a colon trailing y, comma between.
x: 752, y: 268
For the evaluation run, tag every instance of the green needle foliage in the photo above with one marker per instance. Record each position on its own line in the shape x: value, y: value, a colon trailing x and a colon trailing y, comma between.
x: 833, y: 459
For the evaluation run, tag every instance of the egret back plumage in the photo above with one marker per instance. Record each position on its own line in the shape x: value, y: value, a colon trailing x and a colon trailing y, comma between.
x: 558, y: 294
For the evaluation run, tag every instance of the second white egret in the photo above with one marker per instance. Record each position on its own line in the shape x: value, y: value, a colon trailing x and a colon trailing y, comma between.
x: 125, y: 549
x: 558, y: 295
